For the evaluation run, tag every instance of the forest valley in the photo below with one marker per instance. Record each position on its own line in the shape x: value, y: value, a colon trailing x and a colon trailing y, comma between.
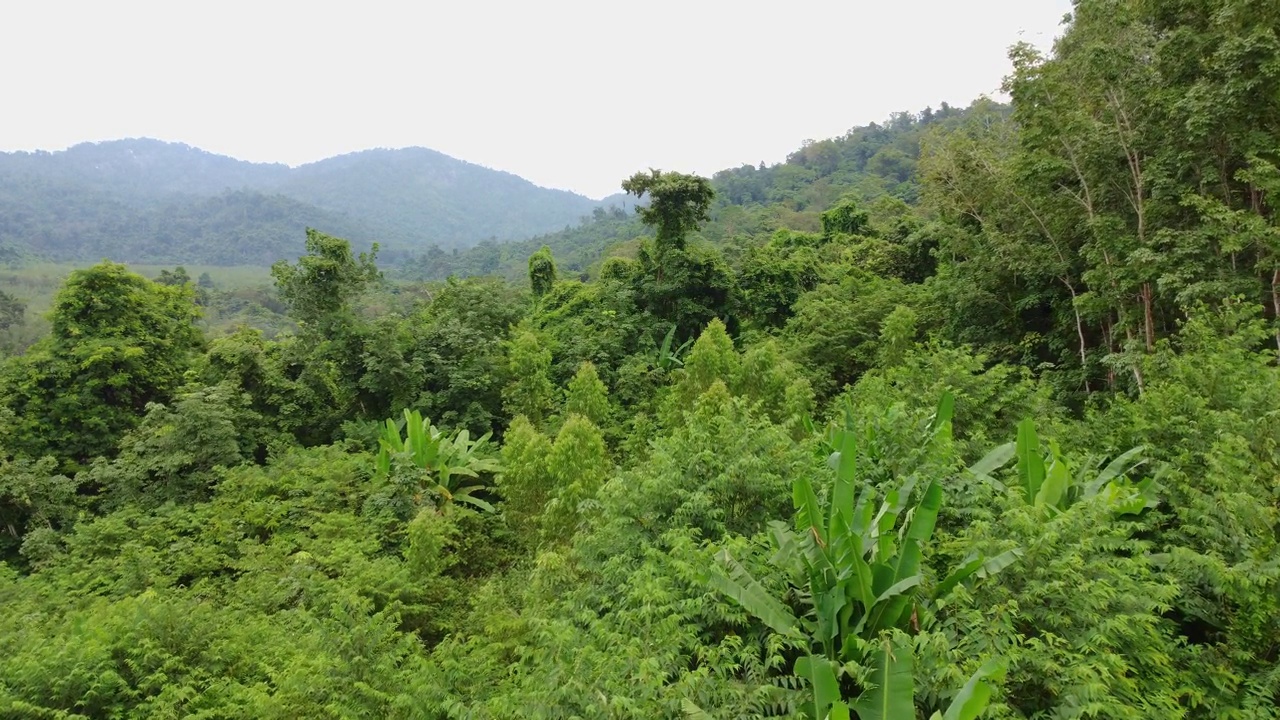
x: 997, y: 438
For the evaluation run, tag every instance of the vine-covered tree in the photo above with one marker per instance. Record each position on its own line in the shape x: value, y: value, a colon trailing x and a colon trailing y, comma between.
x: 542, y: 271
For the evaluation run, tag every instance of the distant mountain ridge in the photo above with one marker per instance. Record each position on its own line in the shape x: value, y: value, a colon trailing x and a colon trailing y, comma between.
x: 150, y: 201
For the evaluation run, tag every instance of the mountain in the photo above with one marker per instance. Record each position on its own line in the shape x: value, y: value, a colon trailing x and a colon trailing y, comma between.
x: 149, y: 201
x: 413, y: 195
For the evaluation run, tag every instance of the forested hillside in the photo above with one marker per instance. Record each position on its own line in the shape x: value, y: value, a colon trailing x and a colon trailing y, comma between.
x: 985, y: 428
x: 870, y: 163
x: 147, y: 201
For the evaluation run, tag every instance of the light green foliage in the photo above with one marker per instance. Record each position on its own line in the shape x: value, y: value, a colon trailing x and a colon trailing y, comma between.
x: 712, y: 358
x: 897, y: 335
x: 1208, y: 411
x: 587, y: 396
x: 542, y: 271
x: 525, y: 481
x: 579, y: 464
x: 230, y: 607
x: 860, y: 576
x: 530, y: 392
x: 428, y: 466
x: 547, y: 487
x: 762, y: 376
x: 991, y: 398
x: 846, y: 217
x: 1079, y: 617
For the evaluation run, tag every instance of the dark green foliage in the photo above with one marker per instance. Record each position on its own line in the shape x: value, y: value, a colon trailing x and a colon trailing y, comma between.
x: 117, y: 343
x: 687, y: 286
x: 11, y: 311
x: 678, y: 203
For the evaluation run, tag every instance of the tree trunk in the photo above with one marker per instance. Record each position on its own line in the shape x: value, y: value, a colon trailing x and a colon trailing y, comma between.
x: 1148, y: 319
x: 1084, y: 360
x: 1275, y: 303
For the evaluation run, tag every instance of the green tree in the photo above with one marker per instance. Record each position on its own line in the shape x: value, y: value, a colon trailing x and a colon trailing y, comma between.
x: 846, y: 217
x: 117, y: 343
x: 587, y: 396
x: 542, y: 271
x: 579, y: 466
x: 677, y: 204
x: 525, y: 481
x: 11, y: 311
x: 324, y: 281
x: 530, y: 392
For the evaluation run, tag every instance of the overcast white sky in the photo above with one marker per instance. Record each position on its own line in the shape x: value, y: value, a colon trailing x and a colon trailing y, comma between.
x: 572, y: 94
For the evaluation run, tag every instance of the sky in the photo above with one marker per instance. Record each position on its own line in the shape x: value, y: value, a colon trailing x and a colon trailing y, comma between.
x: 571, y: 94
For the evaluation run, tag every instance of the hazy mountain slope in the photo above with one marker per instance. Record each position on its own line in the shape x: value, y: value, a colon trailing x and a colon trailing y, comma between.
x: 237, y: 227
x: 151, y: 201
x: 140, y: 169
x: 420, y: 197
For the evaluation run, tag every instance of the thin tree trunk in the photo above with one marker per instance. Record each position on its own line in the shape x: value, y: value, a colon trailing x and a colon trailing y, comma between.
x: 1275, y: 303
x: 1084, y: 361
x: 1148, y: 319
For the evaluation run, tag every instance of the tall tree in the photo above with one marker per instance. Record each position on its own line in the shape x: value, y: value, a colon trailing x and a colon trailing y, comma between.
x: 117, y: 342
x: 325, y: 280
x: 677, y: 203
x: 542, y: 271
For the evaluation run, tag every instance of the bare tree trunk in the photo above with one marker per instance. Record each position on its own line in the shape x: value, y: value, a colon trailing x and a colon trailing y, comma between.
x: 1275, y: 303
x: 1084, y: 360
x: 1147, y: 317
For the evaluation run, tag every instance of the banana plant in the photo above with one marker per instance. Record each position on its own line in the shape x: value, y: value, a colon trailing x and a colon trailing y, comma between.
x: 857, y: 565
x: 1047, y: 478
x: 450, y: 466
x: 668, y: 358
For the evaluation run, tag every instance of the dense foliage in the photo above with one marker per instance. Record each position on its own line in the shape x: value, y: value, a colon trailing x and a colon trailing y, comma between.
x: 974, y: 415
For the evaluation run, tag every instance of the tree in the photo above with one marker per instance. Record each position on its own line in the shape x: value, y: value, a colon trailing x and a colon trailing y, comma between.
x: 542, y: 271
x: 846, y: 217
x: 117, y: 343
x: 677, y: 203
x: 530, y: 392
x: 11, y: 310
x: 323, y: 283
x: 587, y: 396
x: 579, y: 466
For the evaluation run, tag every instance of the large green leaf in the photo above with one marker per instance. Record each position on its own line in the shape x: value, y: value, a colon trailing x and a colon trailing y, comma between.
x: 957, y: 576
x: 946, y: 410
x: 992, y: 461
x: 1056, y: 482
x: 751, y: 595
x: 1030, y: 461
x: 808, y: 510
x: 976, y: 693
x: 1122, y: 465
x: 1000, y: 562
x: 821, y: 674
x: 893, y: 694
